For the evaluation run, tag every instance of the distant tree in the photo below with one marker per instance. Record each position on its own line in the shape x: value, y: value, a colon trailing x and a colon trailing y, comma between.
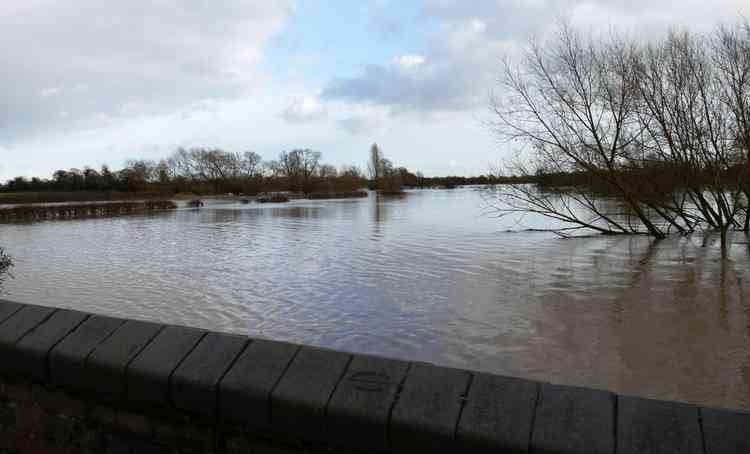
x: 351, y: 172
x: 18, y: 184
x: 92, y: 179
x: 251, y: 164
x: 328, y: 171
x: 108, y: 179
x: 76, y: 180
x: 298, y: 167
x: 375, y: 164
x: 384, y: 176
x: 162, y: 172
x: 204, y: 170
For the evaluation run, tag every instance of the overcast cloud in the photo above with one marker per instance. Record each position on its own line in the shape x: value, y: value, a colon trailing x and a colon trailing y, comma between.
x: 84, y: 62
x: 97, y: 81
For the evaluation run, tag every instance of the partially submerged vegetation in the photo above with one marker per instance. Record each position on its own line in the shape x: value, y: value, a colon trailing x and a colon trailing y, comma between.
x: 337, y: 195
x: 273, y: 198
x: 6, y: 263
x: 664, y: 127
x: 52, y: 196
x: 34, y: 213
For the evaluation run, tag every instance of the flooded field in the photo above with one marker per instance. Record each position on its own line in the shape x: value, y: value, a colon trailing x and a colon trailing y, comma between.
x: 430, y: 276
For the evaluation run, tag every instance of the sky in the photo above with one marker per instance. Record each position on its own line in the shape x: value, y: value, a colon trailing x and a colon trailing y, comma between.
x: 93, y: 82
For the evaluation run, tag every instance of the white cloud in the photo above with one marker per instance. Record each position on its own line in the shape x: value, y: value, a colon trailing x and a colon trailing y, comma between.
x: 460, y: 67
x: 409, y: 61
x: 305, y: 109
x: 95, y: 56
x: 455, y: 75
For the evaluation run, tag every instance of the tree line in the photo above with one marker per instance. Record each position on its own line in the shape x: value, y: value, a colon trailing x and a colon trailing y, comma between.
x: 664, y: 125
x: 202, y: 170
x: 215, y: 171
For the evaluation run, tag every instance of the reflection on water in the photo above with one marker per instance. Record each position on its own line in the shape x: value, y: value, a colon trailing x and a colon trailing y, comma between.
x: 425, y: 277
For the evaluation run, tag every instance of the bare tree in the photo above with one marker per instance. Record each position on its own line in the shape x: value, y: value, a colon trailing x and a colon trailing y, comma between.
x: 688, y: 124
x: 731, y: 57
x: 611, y: 114
x: 251, y: 164
x: 573, y: 102
x: 328, y: 171
x: 298, y: 166
x: 351, y: 172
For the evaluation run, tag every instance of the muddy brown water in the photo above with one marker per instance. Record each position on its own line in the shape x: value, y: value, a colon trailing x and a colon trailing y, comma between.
x: 430, y: 276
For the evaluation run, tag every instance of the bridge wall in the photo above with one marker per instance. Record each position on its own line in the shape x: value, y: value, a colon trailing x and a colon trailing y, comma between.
x: 73, y: 382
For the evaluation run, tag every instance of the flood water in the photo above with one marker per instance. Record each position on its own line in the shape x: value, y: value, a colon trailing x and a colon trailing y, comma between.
x: 430, y: 276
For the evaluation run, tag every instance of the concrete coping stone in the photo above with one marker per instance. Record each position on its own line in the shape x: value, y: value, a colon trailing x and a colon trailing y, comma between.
x: 194, y: 385
x: 357, y: 402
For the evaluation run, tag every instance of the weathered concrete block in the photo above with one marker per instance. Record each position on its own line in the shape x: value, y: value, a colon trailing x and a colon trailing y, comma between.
x: 427, y: 411
x: 726, y: 431
x: 67, y: 359
x: 245, y: 391
x: 195, y: 382
x: 298, y: 403
x: 148, y: 374
x: 573, y: 420
x: 18, y: 325
x: 497, y: 415
x: 652, y: 427
x: 29, y: 357
x: 357, y: 415
x: 105, y: 366
x: 8, y: 308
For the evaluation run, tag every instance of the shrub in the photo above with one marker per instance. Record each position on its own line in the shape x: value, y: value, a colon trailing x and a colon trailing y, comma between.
x: 6, y: 263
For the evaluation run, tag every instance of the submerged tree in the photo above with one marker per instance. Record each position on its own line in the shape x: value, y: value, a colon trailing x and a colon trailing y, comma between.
x: 661, y: 127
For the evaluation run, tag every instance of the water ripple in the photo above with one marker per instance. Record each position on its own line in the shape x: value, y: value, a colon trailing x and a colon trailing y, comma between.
x: 425, y: 277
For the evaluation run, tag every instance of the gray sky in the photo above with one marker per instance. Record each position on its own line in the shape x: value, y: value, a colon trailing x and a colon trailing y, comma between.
x: 91, y: 82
